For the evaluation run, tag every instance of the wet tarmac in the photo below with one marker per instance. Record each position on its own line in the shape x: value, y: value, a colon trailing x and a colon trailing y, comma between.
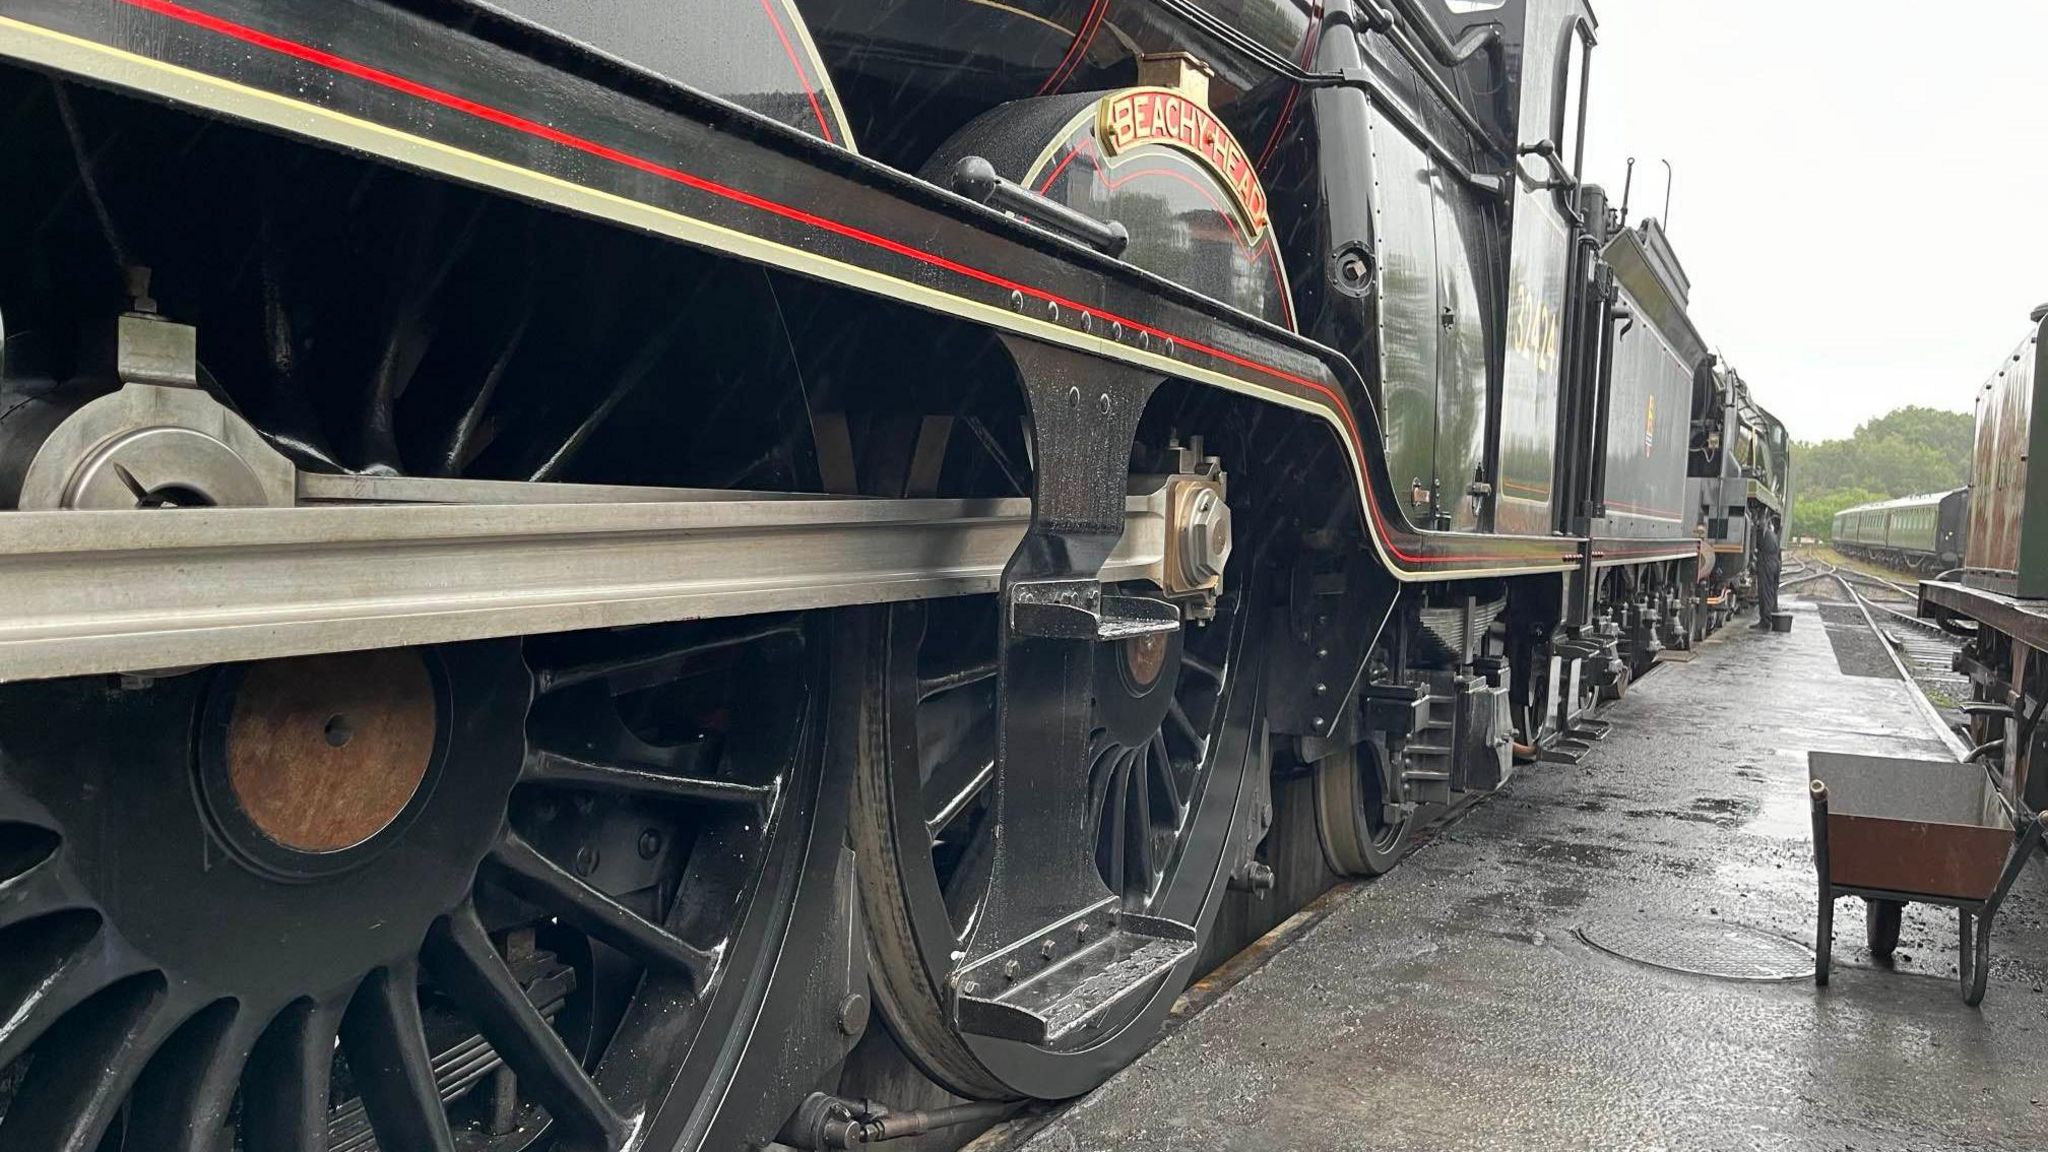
x: 1456, y: 1004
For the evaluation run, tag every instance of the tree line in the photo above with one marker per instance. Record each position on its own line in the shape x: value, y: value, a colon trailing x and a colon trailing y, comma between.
x: 1905, y: 452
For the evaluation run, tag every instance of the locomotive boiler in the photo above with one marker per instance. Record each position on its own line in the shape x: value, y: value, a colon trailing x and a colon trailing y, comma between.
x: 588, y: 575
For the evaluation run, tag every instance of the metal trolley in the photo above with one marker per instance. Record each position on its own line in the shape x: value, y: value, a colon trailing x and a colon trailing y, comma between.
x: 1899, y: 831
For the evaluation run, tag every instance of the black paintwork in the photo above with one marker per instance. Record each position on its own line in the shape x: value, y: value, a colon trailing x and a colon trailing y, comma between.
x: 378, y: 63
x: 751, y: 54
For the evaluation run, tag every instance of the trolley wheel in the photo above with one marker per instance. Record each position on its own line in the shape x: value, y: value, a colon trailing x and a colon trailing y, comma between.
x: 1364, y: 830
x: 1881, y: 927
x: 1973, y: 960
x: 1166, y: 772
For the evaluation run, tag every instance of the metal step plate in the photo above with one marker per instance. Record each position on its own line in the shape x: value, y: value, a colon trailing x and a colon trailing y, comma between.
x: 1064, y: 983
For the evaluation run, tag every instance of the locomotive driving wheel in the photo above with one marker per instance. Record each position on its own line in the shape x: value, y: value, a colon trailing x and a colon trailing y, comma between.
x: 1164, y: 767
x: 479, y: 896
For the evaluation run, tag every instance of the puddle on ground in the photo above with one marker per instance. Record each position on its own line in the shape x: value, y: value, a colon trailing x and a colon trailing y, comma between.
x: 1783, y: 815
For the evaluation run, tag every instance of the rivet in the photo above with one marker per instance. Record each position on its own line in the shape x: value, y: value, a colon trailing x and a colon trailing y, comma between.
x: 1010, y: 970
x: 586, y: 860
x: 1080, y: 931
x: 1103, y: 404
x: 1049, y: 948
x: 1168, y: 349
x: 1052, y: 309
x: 1073, y: 397
x: 650, y: 844
x: 1116, y: 330
x: 1322, y: 653
x: 1322, y: 689
x: 1087, y: 321
x: 1017, y: 301
x: 1318, y: 723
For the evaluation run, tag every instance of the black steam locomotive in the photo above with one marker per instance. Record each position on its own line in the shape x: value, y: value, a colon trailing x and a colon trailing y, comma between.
x: 562, y: 554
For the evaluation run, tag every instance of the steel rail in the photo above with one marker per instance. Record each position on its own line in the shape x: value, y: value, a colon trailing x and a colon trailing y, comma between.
x: 124, y: 591
x: 1918, y: 694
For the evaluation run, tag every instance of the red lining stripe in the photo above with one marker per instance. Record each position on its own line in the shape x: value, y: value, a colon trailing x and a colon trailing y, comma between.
x: 1083, y: 36
x: 1205, y: 191
x: 1268, y: 251
x: 1308, y: 51
x: 532, y: 128
x: 802, y: 78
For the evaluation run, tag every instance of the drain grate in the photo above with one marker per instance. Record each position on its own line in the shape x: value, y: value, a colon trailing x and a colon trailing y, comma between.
x: 1724, y: 951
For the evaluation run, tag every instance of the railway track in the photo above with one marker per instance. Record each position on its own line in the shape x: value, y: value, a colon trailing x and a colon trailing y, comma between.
x: 1923, y: 651
x: 1927, y: 649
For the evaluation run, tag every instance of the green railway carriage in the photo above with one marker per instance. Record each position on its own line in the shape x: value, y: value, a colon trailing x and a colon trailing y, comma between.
x: 1924, y: 532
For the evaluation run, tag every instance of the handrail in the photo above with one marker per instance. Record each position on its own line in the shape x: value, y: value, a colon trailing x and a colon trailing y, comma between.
x: 1448, y: 52
x: 1386, y: 24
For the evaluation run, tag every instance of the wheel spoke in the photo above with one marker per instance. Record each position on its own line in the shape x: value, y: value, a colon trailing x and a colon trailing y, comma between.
x: 958, y: 675
x: 185, y: 1094
x: 661, y: 662
x: 1169, y: 781
x: 1209, y: 671
x: 33, y: 892
x: 386, y: 1046
x: 562, y: 770
x: 522, y: 868
x: 79, y: 1078
x: 284, y: 1092
x: 1115, y: 819
x: 47, y: 967
x: 461, y: 959
x: 1139, y: 814
x: 955, y: 781
x: 1179, y: 716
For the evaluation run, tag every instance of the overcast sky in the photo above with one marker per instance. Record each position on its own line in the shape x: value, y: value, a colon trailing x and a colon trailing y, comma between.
x: 1861, y: 199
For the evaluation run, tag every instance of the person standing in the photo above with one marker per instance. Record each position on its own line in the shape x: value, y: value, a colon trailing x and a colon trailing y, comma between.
x: 1768, y: 565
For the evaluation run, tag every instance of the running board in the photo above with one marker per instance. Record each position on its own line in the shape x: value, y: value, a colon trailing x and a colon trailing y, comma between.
x: 1060, y: 983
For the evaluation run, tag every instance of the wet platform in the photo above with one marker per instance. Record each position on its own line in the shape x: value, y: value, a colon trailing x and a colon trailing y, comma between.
x: 1457, y: 1003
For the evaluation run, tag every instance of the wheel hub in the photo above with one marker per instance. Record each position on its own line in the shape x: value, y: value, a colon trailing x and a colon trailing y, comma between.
x: 1145, y: 658
x: 323, y: 754
x: 279, y: 864
x: 1135, y: 682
